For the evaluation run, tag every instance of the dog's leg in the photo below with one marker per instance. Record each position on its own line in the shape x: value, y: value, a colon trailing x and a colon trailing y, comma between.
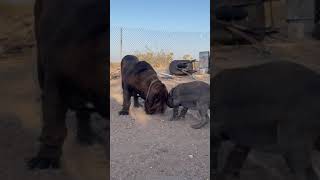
x: 299, y: 162
x: 297, y: 147
x: 136, y: 101
x: 183, y: 113
x: 235, y: 161
x: 54, y: 130
x: 175, y: 113
x: 204, y: 118
x: 126, y: 102
x: 215, y: 145
x: 85, y: 134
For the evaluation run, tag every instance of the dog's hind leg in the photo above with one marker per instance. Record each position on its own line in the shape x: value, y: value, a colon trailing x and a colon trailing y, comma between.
x: 235, y: 161
x: 85, y: 134
x: 175, y: 113
x: 214, y: 160
x: 183, y: 113
x: 297, y: 145
x: 204, y: 118
x: 299, y: 162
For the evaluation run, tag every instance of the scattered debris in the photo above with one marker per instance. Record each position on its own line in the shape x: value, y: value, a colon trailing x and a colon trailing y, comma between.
x: 180, y: 67
x: 165, y: 75
x: 247, y: 34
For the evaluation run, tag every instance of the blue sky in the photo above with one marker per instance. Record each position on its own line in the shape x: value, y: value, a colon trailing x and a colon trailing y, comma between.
x: 178, y: 26
x: 168, y: 15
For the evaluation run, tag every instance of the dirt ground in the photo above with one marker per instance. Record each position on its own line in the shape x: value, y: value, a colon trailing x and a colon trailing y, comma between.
x: 20, y: 121
x: 259, y: 165
x: 147, y: 147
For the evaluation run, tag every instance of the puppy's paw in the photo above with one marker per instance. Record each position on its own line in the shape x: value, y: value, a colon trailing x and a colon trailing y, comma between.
x: 172, y: 119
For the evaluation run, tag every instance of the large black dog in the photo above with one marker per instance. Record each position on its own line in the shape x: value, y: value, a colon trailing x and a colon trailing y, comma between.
x: 139, y: 79
x: 72, y: 44
x: 272, y: 107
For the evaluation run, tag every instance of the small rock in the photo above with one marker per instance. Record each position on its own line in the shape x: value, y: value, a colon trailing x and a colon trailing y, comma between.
x: 191, y: 156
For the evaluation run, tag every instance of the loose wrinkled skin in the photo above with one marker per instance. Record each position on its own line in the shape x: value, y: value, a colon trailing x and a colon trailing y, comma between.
x: 72, y: 45
x: 137, y: 77
x: 273, y: 107
x: 193, y: 95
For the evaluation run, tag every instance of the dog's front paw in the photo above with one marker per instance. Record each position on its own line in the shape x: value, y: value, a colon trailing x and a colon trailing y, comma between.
x: 172, y: 119
x: 43, y: 163
x: 123, y: 112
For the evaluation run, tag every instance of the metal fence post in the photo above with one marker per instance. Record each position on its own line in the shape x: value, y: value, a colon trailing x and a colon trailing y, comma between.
x: 121, y: 43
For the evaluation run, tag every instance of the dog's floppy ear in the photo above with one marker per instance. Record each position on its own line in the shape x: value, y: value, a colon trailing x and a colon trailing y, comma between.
x: 171, y: 92
x: 156, y: 103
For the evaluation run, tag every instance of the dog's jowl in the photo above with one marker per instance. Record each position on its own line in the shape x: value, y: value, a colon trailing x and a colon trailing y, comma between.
x: 193, y: 95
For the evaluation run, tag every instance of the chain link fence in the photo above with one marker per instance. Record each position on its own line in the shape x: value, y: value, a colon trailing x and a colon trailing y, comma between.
x: 157, y: 47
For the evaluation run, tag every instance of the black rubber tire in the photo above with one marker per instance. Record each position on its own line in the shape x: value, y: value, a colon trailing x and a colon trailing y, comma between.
x: 175, y: 65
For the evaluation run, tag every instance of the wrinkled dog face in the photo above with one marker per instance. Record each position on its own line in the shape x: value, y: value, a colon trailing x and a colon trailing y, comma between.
x: 156, y: 103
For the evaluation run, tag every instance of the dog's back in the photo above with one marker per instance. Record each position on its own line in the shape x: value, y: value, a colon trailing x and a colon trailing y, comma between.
x: 191, y: 94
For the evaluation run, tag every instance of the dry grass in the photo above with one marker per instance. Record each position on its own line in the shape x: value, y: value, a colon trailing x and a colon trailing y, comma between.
x: 114, y: 65
x: 159, y: 60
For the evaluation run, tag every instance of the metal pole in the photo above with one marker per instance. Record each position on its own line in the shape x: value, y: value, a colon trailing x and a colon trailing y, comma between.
x: 121, y: 43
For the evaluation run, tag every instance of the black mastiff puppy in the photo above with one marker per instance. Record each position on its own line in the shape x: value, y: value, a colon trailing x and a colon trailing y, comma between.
x: 139, y: 79
x: 273, y: 107
x: 72, y: 44
x: 192, y: 95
